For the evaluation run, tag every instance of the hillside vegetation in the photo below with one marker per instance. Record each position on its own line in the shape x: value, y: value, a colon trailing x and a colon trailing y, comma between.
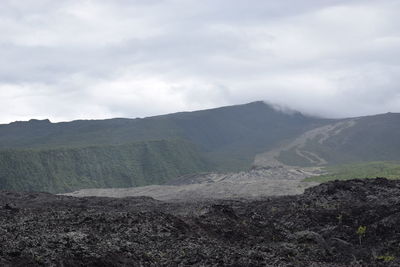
x: 229, y: 136
x: 366, y: 139
x: 58, y: 157
x: 67, y: 169
x: 390, y: 170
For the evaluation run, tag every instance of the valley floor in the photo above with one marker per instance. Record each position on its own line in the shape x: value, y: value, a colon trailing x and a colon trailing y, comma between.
x: 342, y: 223
x: 259, y: 182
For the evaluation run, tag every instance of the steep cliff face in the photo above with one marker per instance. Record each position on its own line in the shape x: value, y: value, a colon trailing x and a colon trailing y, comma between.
x: 59, y: 157
x: 230, y: 136
x: 66, y: 169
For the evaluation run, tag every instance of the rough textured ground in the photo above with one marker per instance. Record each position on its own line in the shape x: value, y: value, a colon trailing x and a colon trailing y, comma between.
x: 254, y: 183
x: 318, y: 228
x: 321, y: 134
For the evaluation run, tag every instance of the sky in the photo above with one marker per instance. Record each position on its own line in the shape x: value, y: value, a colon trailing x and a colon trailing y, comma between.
x: 82, y: 59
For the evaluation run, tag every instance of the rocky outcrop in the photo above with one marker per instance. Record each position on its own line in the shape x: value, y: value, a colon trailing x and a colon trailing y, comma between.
x: 341, y: 223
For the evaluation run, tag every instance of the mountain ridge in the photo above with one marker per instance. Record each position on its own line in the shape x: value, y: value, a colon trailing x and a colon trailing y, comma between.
x: 230, y: 135
x: 232, y: 138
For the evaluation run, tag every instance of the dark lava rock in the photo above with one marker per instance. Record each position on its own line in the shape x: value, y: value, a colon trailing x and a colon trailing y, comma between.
x: 341, y: 223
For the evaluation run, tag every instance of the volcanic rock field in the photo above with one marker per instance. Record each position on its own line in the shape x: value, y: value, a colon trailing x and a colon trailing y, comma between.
x: 340, y: 223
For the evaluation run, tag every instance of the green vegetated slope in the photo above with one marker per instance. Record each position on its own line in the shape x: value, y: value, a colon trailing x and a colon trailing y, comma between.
x: 66, y: 169
x: 390, y: 170
x: 57, y: 157
x: 229, y: 136
x: 232, y: 136
x: 371, y: 138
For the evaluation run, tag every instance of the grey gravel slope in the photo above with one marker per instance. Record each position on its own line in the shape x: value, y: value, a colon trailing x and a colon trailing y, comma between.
x: 251, y: 184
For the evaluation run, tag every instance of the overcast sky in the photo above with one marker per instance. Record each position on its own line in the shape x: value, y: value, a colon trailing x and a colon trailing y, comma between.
x: 76, y: 59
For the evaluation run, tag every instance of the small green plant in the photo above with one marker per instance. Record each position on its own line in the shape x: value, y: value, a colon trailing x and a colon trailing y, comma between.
x: 386, y: 258
x: 340, y: 218
x: 361, y: 232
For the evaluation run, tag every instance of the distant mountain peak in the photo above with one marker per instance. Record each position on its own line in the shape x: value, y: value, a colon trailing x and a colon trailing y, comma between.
x: 39, y: 121
x: 32, y: 121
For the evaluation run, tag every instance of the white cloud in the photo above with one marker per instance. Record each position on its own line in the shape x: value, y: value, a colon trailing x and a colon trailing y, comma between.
x: 73, y: 59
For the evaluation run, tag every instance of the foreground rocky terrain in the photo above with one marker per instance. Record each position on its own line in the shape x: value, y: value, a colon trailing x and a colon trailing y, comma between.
x: 341, y: 223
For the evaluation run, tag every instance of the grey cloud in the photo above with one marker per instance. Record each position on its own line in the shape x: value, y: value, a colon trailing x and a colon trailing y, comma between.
x: 94, y: 59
